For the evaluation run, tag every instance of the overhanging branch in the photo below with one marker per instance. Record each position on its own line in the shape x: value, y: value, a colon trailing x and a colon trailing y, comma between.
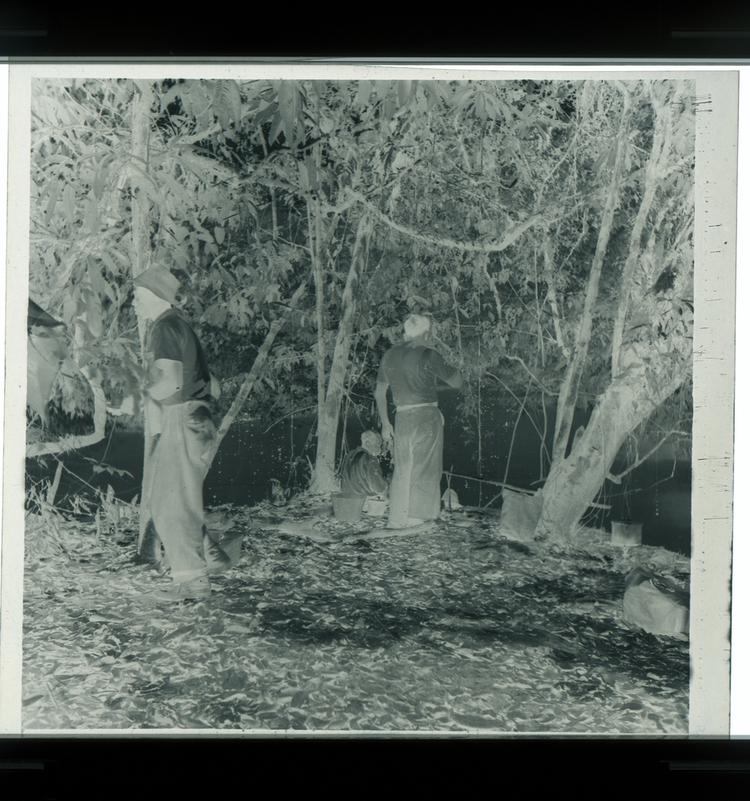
x: 617, y: 479
x: 496, y: 246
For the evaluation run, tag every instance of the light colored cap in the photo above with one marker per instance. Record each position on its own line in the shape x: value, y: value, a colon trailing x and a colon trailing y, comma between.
x: 416, y: 325
x: 371, y: 441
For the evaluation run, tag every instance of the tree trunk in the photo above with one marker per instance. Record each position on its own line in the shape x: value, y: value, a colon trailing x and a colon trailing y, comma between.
x: 324, y: 479
x: 548, y: 261
x: 568, y: 396
x: 141, y: 130
x: 662, y: 113
x: 574, y: 481
x: 139, y: 228
x: 637, y: 387
x: 313, y: 232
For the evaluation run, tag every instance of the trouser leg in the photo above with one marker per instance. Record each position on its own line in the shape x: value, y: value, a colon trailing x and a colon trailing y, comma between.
x: 398, y: 515
x: 177, y: 501
x: 427, y: 468
x: 148, y: 547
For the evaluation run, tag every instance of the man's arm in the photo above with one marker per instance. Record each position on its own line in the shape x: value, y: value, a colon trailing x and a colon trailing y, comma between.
x: 444, y: 373
x: 165, y: 379
x: 381, y: 390
x: 455, y: 380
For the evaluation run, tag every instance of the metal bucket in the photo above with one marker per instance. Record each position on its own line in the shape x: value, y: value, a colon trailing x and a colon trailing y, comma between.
x: 347, y: 508
x: 626, y: 534
x: 375, y: 507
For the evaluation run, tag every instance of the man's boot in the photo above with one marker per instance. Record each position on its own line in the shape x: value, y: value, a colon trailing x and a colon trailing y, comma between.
x: 149, y: 548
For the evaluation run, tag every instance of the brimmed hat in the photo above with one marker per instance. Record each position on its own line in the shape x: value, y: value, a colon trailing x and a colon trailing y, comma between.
x: 38, y: 317
x: 159, y: 281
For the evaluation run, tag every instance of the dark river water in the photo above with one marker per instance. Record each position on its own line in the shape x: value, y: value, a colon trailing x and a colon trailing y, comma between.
x: 252, y: 454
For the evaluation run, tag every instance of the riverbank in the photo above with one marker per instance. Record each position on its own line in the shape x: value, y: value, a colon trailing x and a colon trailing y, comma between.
x: 455, y: 630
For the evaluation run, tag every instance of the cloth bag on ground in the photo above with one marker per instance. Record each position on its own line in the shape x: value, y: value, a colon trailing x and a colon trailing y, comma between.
x: 655, y: 604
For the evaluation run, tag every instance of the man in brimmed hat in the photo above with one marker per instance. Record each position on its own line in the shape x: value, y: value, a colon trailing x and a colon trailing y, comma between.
x: 415, y: 372
x: 47, y: 349
x: 179, y: 433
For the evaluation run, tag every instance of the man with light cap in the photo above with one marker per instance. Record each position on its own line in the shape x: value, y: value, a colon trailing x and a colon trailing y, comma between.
x: 415, y: 372
x: 179, y: 433
x: 360, y: 470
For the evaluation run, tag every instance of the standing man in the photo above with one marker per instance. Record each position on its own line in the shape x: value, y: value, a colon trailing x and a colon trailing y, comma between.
x: 180, y: 431
x: 415, y: 372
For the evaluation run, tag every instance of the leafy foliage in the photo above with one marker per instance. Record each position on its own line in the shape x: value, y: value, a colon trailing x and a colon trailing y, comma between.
x: 247, y: 183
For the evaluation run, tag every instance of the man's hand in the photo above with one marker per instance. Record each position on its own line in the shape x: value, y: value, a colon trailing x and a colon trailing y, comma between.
x: 145, y: 378
x: 166, y: 375
x: 386, y: 431
x: 128, y: 406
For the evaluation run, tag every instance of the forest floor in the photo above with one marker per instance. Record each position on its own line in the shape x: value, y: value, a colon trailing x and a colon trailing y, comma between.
x: 457, y: 629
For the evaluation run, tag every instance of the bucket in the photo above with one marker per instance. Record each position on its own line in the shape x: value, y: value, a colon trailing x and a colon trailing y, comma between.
x: 347, y: 508
x: 375, y: 507
x: 626, y: 534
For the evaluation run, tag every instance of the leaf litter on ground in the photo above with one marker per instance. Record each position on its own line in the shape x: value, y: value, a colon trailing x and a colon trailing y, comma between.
x: 450, y: 629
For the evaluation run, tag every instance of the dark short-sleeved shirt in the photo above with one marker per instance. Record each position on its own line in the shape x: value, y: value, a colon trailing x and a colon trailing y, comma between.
x: 172, y: 338
x: 361, y: 474
x: 414, y: 373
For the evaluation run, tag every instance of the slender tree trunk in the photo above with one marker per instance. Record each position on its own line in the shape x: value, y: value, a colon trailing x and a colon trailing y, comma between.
x: 573, y: 482
x: 251, y: 378
x: 140, y: 227
x: 313, y: 231
x: 274, y: 215
x: 568, y: 396
x: 661, y: 111
x: 548, y: 261
x: 140, y: 223
x: 328, y: 419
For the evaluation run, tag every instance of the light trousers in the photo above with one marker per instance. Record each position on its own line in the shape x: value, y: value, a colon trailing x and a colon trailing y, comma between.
x: 172, y: 498
x: 418, y: 465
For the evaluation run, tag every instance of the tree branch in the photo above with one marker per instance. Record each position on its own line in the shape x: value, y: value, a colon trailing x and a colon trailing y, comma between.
x: 249, y: 382
x: 75, y: 442
x: 617, y: 479
x: 497, y: 246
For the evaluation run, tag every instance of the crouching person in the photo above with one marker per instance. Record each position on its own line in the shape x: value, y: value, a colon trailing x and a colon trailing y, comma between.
x: 360, y: 471
x: 179, y: 434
